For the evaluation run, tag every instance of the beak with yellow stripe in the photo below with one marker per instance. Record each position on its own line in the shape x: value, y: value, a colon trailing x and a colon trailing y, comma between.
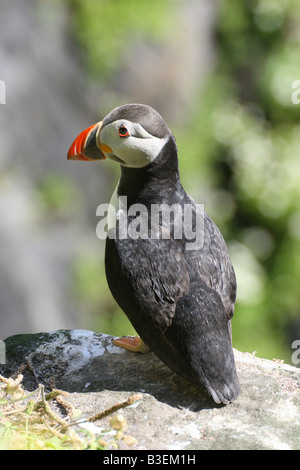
x: 87, y: 145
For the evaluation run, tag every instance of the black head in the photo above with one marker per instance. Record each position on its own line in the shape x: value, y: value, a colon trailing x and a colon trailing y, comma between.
x: 132, y: 135
x: 142, y: 114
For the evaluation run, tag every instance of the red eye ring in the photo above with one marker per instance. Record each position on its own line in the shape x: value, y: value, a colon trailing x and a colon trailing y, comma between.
x: 123, y: 131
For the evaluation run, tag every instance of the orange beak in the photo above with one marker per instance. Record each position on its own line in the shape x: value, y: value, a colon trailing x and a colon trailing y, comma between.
x: 86, y: 146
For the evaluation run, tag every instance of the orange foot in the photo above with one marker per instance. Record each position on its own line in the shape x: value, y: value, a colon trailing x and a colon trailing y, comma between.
x: 131, y: 343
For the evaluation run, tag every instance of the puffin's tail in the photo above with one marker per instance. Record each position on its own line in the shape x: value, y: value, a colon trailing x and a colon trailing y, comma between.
x: 225, y: 394
x: 219, y: 378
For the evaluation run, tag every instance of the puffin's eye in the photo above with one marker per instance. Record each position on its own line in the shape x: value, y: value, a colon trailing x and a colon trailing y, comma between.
x: 123, y: 131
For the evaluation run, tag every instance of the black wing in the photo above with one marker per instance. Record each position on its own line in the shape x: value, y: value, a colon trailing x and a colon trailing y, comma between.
x: 214, y: 265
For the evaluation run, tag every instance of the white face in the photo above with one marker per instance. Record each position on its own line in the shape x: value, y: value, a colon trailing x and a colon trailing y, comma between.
x: 130, y: 143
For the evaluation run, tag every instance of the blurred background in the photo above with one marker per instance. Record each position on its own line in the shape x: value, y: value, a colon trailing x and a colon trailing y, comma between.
x: 221, y: 74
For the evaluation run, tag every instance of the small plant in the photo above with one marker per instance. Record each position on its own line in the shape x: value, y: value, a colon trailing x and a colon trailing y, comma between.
x: 32, y: 421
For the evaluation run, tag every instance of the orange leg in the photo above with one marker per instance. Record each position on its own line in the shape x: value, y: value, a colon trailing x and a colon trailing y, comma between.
x: 131, y: 343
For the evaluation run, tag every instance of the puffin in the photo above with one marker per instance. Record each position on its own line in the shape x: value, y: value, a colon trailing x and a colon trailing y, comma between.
x: 177, y: 287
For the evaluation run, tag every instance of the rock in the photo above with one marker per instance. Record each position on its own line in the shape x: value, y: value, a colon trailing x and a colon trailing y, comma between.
x: 172, y: 415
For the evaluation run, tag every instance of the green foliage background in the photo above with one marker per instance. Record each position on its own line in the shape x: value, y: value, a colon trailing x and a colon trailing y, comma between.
x: 241, y: 147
